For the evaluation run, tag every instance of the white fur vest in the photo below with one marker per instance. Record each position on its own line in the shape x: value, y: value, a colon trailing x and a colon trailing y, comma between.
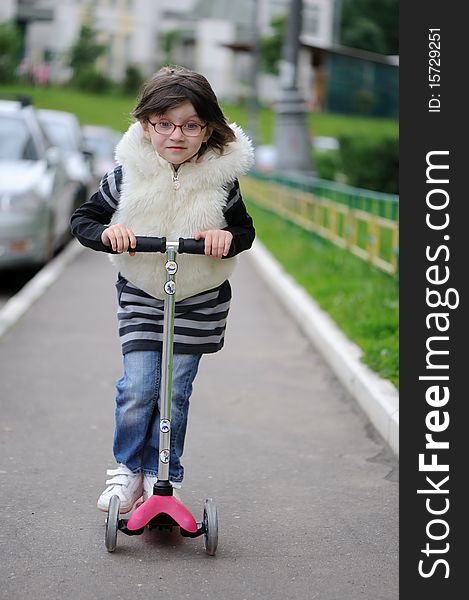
x: 153, y: 203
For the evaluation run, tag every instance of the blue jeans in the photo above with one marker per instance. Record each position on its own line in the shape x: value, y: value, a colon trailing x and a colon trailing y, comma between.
x: 137, y: 431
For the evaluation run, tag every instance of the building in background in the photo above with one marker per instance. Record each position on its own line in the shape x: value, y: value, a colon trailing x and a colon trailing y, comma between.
x: 225, y: 29
x: 128, y: 28
x: 136, y: 32
x: 213, y: 37
x: 352, y: 81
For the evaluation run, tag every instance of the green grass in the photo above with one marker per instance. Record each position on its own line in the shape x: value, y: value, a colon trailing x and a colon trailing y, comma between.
x: 337, y: 125
x: 320, y: 124
x: 114, y: 110
x: 94, y: 109
x: 362, y: 300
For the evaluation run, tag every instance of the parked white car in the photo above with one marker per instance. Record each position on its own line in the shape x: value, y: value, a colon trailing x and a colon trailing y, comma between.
x: 64, y: 130
x: 36, y: 195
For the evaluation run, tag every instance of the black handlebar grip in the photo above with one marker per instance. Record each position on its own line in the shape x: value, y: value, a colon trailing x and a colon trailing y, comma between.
x: 150, y: 244
x: 190, y: 246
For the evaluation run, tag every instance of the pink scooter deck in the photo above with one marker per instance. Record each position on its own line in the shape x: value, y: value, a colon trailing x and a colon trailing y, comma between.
x: 157, y: 505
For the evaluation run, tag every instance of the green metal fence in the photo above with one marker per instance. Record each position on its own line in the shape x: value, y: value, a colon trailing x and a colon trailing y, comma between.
x: 364, y: 222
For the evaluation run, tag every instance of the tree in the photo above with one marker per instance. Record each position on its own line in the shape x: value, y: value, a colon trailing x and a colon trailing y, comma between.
x: 83, y: 56
x: 10, y: 45
x: 371, y: 25
x: 86, y: 50
x: 270, y: 47
x: 133, y: 80
x: 168, y: 41
x: 365, y: 34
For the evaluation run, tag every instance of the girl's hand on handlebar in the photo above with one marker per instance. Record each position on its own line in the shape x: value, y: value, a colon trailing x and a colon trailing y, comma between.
x: 217, y: 241
x: 119, y: 237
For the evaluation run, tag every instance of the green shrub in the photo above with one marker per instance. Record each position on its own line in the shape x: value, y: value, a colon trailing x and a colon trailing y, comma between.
x: 369, y: 163
x: 10, y: 44
x: 91, y: 80
x: 133, y: 81
x: 326, y: 164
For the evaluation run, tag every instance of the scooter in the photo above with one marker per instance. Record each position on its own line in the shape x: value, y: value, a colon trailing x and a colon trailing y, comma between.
x: 162, y: 510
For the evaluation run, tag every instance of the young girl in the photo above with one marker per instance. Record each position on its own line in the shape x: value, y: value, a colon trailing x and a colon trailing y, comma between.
x: 177, y: 173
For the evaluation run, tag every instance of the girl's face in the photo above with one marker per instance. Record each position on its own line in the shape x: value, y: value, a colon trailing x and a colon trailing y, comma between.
x: 175, y: 147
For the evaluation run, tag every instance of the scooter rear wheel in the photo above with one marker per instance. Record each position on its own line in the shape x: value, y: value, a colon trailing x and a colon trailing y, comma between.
x: 112, y: 523
x: 211, y: 527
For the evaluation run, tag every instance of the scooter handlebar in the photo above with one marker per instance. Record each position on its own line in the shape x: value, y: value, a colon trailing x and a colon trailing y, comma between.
x: 191, y: 246
x: 156, y: 244
x: 150, y: 244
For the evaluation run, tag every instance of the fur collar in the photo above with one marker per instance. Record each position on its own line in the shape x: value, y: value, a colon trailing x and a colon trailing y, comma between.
x: 215, y: 168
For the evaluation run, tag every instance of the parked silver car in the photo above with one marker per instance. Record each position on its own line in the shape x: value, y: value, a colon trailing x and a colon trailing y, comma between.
x: 101, y: 142
x: 36, y: 196
x: 64, y: 130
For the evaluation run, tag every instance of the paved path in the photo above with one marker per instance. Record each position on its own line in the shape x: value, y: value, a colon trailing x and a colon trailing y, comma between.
x: 306, y: 490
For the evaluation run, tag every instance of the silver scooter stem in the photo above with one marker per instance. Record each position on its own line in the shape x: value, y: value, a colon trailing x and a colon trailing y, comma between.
x: 167, y: 362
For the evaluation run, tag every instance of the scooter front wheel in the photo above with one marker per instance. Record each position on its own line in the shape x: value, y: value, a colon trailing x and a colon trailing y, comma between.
x: 211, y: 527
x: 112, y: 523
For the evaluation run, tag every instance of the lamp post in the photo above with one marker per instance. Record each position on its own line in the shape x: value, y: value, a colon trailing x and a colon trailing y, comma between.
x: 292, y: 139
x: 253, y: 92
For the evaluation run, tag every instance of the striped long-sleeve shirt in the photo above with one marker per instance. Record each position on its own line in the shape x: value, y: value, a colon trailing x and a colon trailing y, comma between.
x: 200, y: 321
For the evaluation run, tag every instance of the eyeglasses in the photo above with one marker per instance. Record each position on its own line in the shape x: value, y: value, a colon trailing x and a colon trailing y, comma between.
x: 189, y: 129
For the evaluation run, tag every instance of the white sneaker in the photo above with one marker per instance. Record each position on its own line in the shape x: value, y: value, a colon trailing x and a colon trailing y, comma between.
x: 177, y: 485
x: 123, y: 483
x: 148, y: 483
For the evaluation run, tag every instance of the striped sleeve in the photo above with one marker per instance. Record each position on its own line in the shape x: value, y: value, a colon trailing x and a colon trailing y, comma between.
x: 238, y: 220
x: 234, y: 195
x: 91, y: 218
x: 110, y: 187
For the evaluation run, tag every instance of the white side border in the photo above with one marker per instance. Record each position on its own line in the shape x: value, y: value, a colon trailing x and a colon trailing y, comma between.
x: 378, y: 397
x: 21, y: 302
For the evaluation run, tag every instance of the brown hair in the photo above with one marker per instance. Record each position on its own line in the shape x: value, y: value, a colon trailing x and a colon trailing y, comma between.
x: 172, y: 86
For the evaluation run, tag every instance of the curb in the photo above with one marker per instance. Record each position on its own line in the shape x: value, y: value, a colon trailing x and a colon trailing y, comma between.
x: 378, y: 397
x: 21, y: 302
